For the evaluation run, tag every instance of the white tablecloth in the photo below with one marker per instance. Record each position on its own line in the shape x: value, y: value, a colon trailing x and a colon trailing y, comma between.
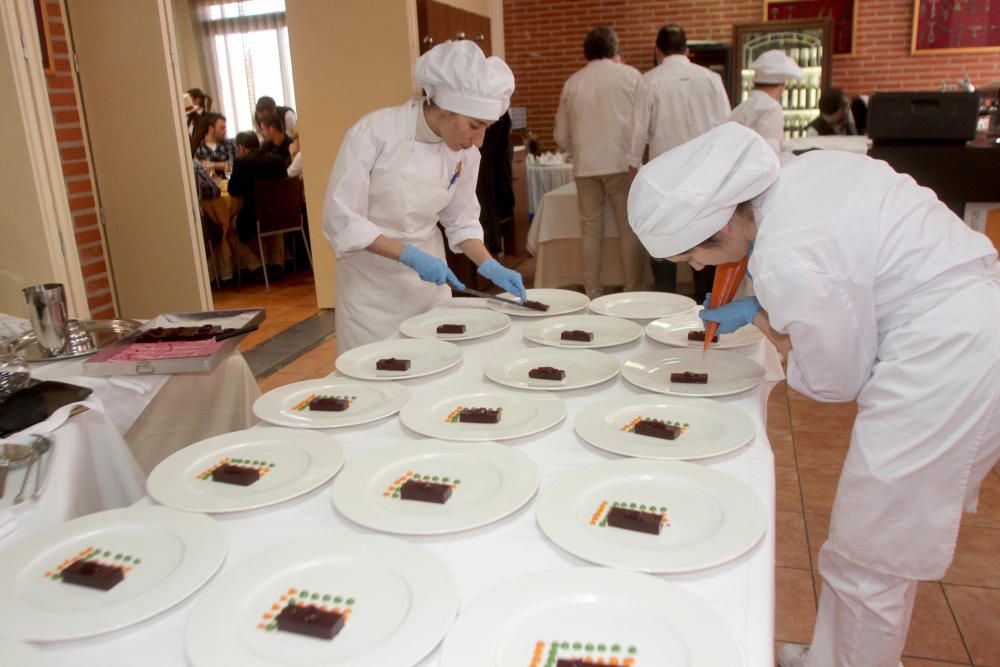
x: 545, y: 178
x: 742, y: 592
x: 834, y: 142
x: 100, y: 458
x: 554, y: 238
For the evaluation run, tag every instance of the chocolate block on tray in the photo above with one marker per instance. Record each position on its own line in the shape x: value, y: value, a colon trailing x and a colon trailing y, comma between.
x: 392, y: 364
x: 700, y: 336
x: 311, y: 621
x: 578, y: 335
x: 535, y: 305
x: 629, y: 519
x: 657, y: 429
x: 547, y: 373
x: 233, y: 474
x: 479, y: 416
x: 93, y: 574
x: 329, y: 404
x: 688, y: 377
x: 180, y: 334
x: 451, y: 329
x: 428, y: 492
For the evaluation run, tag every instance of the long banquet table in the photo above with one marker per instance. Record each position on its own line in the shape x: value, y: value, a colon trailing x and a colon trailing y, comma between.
x: 742, y: 591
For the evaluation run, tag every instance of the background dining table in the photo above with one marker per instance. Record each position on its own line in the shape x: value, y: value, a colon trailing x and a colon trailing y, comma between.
x: 740, y: 591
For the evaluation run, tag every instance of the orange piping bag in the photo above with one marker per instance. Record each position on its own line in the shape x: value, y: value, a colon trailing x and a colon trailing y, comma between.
x: 727, y: 280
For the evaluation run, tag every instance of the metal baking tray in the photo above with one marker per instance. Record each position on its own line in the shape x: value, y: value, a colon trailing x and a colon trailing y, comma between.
x: 85, y: 337
x: 103, y: 363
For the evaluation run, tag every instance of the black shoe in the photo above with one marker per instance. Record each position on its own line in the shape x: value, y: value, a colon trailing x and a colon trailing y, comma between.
x: 275, y: 271
x: 254, y: 277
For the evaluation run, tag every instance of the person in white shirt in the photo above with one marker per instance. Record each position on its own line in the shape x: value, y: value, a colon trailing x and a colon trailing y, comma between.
x: 875, y: 292
x: 675, y: 102
x: 592, y: 125
x: 762, y: 111
x: 400, y: 171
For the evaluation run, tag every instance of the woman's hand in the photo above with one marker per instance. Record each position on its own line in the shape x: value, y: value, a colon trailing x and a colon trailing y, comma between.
x: 504, y: 278
x: 429, y: 267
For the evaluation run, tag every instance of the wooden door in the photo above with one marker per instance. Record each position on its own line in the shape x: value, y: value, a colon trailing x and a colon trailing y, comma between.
x: 438, y: 22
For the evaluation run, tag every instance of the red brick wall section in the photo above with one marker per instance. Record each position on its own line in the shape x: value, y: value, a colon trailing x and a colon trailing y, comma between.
x: 544, y: 45
x: 76, y: 171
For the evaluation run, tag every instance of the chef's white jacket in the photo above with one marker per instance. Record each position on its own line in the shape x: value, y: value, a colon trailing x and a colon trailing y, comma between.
x: 593, y: 117
x: 675, y: 102
x: 764, y: 115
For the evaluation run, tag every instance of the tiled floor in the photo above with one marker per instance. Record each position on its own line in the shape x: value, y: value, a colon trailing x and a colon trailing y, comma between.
x: 956, y: 620
x: 290, y: 301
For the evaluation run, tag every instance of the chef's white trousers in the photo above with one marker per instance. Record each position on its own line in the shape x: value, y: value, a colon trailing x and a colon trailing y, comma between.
x: 863, y: 615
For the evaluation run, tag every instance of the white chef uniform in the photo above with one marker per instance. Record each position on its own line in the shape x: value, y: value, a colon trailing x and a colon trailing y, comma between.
x: 674, y: 102
x: 888, y: 299
x: 762, y: 113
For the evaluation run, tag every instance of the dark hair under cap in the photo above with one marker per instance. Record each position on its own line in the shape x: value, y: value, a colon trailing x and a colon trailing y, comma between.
x: 600, y: 42
x: 832, y: 101
x: 671, y: 40
x: 247, y: 140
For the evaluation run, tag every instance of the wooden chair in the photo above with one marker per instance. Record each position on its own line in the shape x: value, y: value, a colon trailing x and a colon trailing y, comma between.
x: 279, y: 210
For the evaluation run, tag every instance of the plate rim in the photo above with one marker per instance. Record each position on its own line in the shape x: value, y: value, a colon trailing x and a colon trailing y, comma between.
x: 329, y: 380
x: 601, y: 302
x: 588, y: 413
x: 205, y: 538
x: 502, y: 307
x: 457, y: 351
x: 408, y: 322
x: 416, y: 402
x: 502, y: 358
x: 386, y: 550
x: 527, y: 470
x: 657, y: 324
x: 528, y: 334
x: 677, y: 351
x: 330, y: 446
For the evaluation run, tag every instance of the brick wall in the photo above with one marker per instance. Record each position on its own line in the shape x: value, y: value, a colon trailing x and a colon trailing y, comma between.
x: 544, y: 45
x: 76, y: 171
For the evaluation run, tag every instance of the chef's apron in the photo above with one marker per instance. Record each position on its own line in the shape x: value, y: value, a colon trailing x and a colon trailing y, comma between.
x: 375, y: 294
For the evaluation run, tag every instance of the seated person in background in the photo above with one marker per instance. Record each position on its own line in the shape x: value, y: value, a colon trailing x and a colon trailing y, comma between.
x: 276, y: 142
x: 266, y: 105
x: 295, y: 168
x: 212, y: 149
x: 253, y: 164
x: 207, y: 189
x: 834, y: 116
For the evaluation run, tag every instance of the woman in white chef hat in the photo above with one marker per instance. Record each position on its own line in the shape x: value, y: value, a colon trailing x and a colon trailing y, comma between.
x: 402, y: 169
x: 876, y: 292
x: 762, y: 111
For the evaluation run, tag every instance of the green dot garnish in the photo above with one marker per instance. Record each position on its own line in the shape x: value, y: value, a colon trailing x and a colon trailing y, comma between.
x: 564, y: 645
x: 576, y: 646
x: 445, y: 480
x: 616, y: 647
x: 642, y: 507
x: 137, y: 561
x: 458, y: 481
x: 304, y: 594
x: 435, y: 478
x: 338, y: 599
x: 632, y: 505
x: 589, y: 647
x: 107, y: 554
x: 600, y: 647
x: 632, y: 649
x: 314, y: 596
x: 349, y: 601
x: 326, y: 598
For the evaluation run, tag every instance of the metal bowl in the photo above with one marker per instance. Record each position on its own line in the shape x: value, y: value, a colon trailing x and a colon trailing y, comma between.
x: 86, y: 337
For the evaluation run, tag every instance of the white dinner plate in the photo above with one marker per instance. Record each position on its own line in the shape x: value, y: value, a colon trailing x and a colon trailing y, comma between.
x: 400, y: 600
x: 592, y: 614
x: 608, y: 331
x: 674, y: 331
x: 478, y: 322
x: 559, y: 301
x: 489, y: 481
x: 728, y: 373
x: 642, y: 305
x: 434, y: 413
x: 290, y: 462
x: 426, y: 358
x: 584, y: 368
x: 709, y: 428
x: 19, y: 654
x: 370, y: 401
x: 167, y: 556
x: 709, y: 517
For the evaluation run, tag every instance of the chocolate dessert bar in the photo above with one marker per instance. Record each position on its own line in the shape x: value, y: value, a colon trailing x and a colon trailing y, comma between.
x: 700, y: 336
x: 479, y: 416
x: 428, y: 492
x: 572, y: 662
x: 535, y: 305
x: 311, y: 621
x: 392, y: 364
x: 688, y: 377
x: 577, y: 334
x: 232, y: 474
x: 644, y: 522
x: 451, y: 329
x: 657, y: 429
x: 93, y: 574
x: 547, y: 373
x: 180, y: 334
x: 329, y: 404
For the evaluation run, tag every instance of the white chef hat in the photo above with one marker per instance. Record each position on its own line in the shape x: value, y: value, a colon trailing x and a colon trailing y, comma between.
x: 689, y: 193
x: 459, y: 78
x: 775, y: 66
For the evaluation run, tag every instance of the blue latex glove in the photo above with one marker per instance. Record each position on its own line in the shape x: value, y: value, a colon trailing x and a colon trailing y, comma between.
x: 428, y: 267
x: 503, y: 278
x: 732, y: 316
